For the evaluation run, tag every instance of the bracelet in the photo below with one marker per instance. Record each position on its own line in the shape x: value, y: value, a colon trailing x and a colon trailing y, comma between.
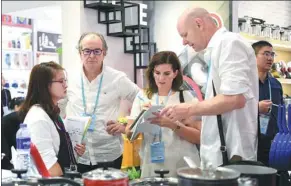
x: 178, y: 126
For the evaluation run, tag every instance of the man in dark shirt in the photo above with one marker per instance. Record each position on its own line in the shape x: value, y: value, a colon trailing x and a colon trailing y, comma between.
x: 9, y: 127
x: 270, y: 96
x: 5, y: 97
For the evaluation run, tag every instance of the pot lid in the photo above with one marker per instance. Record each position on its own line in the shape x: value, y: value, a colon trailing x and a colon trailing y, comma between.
x: 105, y: 174
x: 220, y: 173
x: 153, y: 181
x: 252, y: 169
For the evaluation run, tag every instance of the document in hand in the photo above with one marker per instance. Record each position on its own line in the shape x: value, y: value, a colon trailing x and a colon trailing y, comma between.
x: 141, y: 125
x: 76, y: 128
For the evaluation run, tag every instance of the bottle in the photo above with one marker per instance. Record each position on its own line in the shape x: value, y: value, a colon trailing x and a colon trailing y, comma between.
x: 23, y: 147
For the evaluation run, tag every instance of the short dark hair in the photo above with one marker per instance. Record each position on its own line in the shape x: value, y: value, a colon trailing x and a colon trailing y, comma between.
x: 164, y: 57
x: 15, y: 102
x: 260, y: 44
x: 40, y: 79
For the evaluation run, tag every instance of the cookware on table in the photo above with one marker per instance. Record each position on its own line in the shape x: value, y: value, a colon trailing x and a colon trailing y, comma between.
x: 221, y: 176
x: 276, y: 34
x: 267, y: 30
x: 105, y: 177
x: 257, y: 26
x: 156, y: 181
x: 35, y: 181
x: 266, y: 176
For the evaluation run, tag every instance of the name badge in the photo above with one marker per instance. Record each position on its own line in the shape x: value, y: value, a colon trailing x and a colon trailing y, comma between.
x: 91, y: 127
x: 158, y: 152
x: 264, y: 122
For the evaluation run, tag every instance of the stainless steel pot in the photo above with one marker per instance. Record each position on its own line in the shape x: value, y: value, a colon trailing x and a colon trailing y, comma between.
x: 287, y: 100
x: 246, y: 26
x: 221, y: 176
x: 266, y: 176
x: 257, y: 26
x: 156, y: 181
x: 36, y: 181
x: 276, y: 33
x: 267, y: 31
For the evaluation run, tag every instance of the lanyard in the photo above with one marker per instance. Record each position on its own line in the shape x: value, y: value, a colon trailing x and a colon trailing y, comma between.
x: 61, y: 126
x: 208, y: 71
x: 270, y: 90
x: 157, y: 98
x: 6, y: 98
x: 157, y: 103
x: 97, y: 96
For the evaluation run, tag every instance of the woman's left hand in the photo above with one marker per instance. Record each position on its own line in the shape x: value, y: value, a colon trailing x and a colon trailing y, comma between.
x: 80, y: 149
x: 162, y: 121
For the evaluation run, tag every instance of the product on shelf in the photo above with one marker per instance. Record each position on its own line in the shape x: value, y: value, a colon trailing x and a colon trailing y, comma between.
x: 16, y: 60
x: 8, y: 60
x: 25, y: 60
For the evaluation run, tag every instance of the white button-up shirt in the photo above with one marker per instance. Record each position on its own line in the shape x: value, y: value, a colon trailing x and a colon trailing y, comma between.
x: 233, y: 70
x: 100, y: 146
x: 44, y: 134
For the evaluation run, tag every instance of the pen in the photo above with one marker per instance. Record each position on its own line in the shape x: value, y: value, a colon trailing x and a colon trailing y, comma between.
x: 275, y: 105
x: 140, y: 98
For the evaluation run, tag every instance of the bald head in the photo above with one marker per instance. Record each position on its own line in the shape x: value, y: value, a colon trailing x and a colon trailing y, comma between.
x: 196, y: 27
x: 195, y: 12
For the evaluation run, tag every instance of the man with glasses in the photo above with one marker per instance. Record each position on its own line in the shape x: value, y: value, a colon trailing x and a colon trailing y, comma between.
x: 270, y: 96
x: 96, y: 91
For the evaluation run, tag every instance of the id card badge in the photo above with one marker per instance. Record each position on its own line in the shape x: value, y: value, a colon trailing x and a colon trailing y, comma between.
x: 158, y: 152
x: 91, y: 127
x: 5, y: 111
x: 264, y: 122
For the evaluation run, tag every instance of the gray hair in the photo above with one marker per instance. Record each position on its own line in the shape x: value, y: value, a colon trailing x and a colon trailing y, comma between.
x: 104, y: 44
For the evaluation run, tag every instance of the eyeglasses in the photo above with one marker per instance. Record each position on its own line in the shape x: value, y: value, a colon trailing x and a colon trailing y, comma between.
x: 88, y: 52
x: 269, y: 54
x: 63, y: 81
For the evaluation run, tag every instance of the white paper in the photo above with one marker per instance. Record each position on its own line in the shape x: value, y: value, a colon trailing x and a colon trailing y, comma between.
x: 143, y: 126
x: 75, y: 126
x: 148, y: 128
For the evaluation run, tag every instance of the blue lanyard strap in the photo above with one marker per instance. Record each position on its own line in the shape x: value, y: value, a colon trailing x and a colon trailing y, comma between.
x: 157, y: 103
x: 97, y: 96
x: 157, y: 98
x: 270, y: 90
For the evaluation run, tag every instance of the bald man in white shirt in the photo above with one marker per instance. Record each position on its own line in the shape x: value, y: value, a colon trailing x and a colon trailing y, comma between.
x: 233, y: 72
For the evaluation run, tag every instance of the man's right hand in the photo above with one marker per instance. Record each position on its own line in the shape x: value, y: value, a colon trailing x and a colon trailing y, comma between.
x: 264, y: 106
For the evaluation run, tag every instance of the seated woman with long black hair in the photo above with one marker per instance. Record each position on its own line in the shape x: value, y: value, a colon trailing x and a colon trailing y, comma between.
x: 47, y: 85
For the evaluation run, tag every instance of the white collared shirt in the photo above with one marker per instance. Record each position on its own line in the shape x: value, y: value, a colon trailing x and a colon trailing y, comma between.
x: 233, y: 71
x: 100, y: 146
x: 44, y: 134
x: 175, y: 147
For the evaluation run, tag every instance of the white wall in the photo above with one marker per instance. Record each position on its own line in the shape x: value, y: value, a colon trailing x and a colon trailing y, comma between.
x: 86, y: 20
x: 13, y: 6
x: 166, y: 15
x: 273, y: 12
x: 49, y: 19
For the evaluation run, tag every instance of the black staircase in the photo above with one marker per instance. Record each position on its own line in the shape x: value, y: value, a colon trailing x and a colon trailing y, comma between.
x: 136, y: 37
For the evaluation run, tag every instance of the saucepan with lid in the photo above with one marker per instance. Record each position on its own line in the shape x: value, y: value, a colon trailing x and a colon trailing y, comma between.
x: 196, y: 176
x: 266, y: 176
x: 156, y: 181
x: 105, y: 177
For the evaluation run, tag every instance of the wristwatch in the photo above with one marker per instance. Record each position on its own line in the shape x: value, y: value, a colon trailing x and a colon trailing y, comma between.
x: 178, y: 126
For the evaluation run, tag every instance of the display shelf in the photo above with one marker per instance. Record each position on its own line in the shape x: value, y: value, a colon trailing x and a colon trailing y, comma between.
x: 17, y: 49
x: 284, y: 81
x: 277, y: 44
